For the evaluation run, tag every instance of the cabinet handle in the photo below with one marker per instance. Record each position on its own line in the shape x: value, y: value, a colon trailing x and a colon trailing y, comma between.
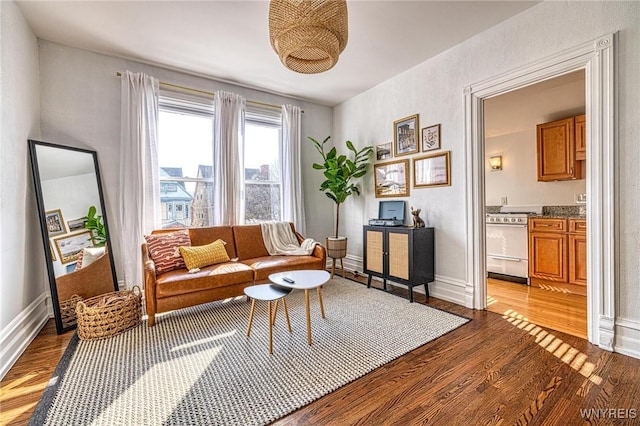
x: 571, y: 170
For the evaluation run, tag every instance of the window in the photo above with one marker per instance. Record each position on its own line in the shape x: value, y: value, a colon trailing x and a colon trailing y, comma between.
x: 185, y: 156
x: 262, y: 178
x: 185, y: 140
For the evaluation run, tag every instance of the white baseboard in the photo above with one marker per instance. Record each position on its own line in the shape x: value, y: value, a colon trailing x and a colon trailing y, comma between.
x: 445, y: 288
x: 16, y: 336
x: 627, y: 337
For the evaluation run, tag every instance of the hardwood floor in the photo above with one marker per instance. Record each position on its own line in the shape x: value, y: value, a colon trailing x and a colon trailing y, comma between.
x: 497, y: 369
x: 547, y: 307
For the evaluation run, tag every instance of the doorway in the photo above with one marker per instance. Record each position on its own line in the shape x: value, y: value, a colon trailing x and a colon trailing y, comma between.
x: 522, y: 282
x: 596, y: 57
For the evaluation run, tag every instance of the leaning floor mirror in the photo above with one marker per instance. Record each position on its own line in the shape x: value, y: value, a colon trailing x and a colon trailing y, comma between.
x: 74, y: 226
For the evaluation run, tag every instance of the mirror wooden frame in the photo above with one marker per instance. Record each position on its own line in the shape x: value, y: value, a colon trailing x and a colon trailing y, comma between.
x: 42, y: 213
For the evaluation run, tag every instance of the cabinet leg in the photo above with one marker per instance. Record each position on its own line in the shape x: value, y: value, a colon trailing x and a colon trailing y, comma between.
x: 369, y: 281
x: 411, y: 293
x: 384, y: 284
x: 426, y: 289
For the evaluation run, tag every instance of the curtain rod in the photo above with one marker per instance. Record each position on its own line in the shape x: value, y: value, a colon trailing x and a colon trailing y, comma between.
x: 119, y: 74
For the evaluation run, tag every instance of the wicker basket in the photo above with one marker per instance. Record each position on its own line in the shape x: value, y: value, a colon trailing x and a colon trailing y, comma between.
x: 109, y: 314
x: 68, y: 310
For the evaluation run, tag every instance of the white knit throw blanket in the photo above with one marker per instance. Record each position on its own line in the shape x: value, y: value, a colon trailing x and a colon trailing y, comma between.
x: 280, y: 239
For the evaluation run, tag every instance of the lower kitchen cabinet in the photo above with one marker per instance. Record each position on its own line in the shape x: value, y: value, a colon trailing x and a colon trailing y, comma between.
x: 399, y: 254
x: 578, y: 251
x: 557, y: 251
x: 548, y: 256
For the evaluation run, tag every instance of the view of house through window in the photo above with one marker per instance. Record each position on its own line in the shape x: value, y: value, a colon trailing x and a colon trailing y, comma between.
x: 262, y: 172
x: 185, y: 157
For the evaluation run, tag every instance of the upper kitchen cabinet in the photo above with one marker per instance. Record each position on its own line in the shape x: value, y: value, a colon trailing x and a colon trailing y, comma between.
x: 581, y: 137
x: 557, y: 151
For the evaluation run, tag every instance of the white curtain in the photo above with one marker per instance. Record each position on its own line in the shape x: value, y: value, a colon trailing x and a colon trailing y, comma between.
x: 228, y: 159
x: 139, y: 176
x: 292, y: 194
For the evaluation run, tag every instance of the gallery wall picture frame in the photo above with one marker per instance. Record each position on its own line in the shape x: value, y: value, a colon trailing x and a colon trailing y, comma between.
x: 391, y: 179
x: 53, y: 253
x: 405, y: 135
x: 431, y: 138
x: 432, y: 170
x: 55, y: 222
x: 383, y: 151
x: 70, y: 246
x: 76, y: 224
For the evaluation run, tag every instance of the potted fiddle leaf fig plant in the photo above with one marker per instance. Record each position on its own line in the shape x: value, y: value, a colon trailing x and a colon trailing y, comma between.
x: 341, y: 173
x: 95, y: 224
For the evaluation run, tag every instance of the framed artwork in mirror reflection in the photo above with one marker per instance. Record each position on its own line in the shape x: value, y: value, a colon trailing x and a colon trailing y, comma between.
x: 70, y: 247
x: 55, y: 222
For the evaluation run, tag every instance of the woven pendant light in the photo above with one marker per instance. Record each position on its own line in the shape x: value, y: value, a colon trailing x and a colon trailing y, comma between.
x: 308, y: 35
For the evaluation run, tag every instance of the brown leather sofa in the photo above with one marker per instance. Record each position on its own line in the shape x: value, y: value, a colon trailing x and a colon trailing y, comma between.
x: 179, y: 289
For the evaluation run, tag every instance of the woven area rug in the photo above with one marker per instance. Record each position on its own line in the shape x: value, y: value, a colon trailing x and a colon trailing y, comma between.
x: 197, y: 366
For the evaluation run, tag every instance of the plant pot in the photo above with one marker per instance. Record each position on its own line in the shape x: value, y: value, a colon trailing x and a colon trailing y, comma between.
x: 336, y: 247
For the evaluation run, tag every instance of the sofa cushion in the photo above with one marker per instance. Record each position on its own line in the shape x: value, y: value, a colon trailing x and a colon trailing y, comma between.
x: 164, y: 250
x: 180, y: 281
x: 249, y: 242
x: 267, y: 265
x: 202, y: 236
x: 209, y: 254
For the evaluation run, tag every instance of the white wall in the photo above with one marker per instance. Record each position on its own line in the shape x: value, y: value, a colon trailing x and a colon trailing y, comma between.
x: 510, y: 131
x: 22, y: 271
x: 80, y: 97
x: 434, y: 89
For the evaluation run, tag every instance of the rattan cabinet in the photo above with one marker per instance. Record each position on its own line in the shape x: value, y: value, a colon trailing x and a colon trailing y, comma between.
x: 399, y: 254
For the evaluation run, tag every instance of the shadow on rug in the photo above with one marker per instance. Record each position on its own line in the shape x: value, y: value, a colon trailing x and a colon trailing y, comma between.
x: 197, y: 366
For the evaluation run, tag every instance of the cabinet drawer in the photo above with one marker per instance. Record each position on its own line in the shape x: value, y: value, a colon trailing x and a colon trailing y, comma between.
x: 547, y: 225
x: 578, y: 226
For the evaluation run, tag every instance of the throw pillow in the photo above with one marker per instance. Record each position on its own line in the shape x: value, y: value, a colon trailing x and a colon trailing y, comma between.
x: 79, y: 262
x: 164, y: 250
x: 210, y: 254
x: 89, y: 255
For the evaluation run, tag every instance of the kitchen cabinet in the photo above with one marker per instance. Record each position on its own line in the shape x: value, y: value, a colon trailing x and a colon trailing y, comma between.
x: 558, y: 252
x: 581, y: 137
x: 578, y: 251
x: 548, y: 242
x: 399, y: 254
x: 556, y: 151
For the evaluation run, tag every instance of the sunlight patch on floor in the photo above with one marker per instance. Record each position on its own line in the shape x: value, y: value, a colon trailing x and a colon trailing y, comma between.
x: 560, y: 349
x: 491, y: 300
x: 171, y: 380
x: 203, y: 341
x: 556, y: 289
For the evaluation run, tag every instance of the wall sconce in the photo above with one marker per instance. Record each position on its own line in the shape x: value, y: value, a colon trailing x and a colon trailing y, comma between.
x: 495, y: 162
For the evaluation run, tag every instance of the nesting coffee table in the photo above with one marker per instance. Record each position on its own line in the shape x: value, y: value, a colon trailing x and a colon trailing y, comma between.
x: 269, y: 293
x: 304, y: 280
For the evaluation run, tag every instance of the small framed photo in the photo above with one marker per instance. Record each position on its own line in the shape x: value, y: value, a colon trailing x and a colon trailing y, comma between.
x: 383, y: 151
x: 392, y: 179
x: 76, y: 224
x: 70, y: 247
x: 431, y: 138
x: 55, y: 222
x: 432, y: 170
x: 53, y: 253
x: 405, y: 135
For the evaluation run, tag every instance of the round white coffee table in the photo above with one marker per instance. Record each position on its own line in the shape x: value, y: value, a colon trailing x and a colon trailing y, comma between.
x: 304, y: 280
